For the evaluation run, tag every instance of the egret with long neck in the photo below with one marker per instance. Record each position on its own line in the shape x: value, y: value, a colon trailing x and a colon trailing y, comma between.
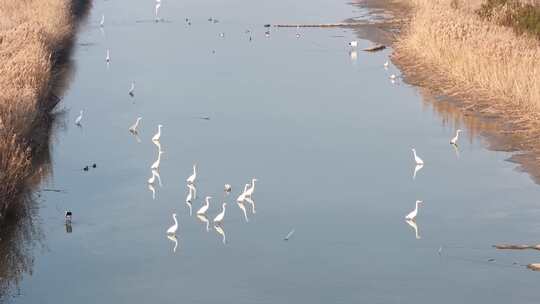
x: 155, y: 165
x: 173, y: 228
x: 133, y: 128
x: 158, y: 134
x: 412, y: 215
x: 193, y: 176
x: 221, y: 215
x: 249, y: 191
x: 204, y: 208
x: 417, y: 159
x: 242, y: 195
x: 454, y: 140
x: 79, y: 118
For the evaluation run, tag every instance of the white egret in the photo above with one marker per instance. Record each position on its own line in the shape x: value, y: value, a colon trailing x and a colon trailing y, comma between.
x: 102, y: 22
x: 220, y: 216
x: 221, y: 232
x: 249, y: 191
x: 297, y: 35
x: 133, y: 128
x: 193, y: 176
x: 132, y: 89
x: 79, y: 118
x: 153, y: 190
x: 242, y: 195
x: 156, y: 10
x: 222, y: 35
x: 417, y: 159
x: 155, y: 165
x: 204, y: 219
x: 194, y: 189
x: 412, y: 215
x: 174, y: 240
x: 108, y: 58
x: 204, y: 208
x: 158, y: 134
x: 416, y: 169
x: 227, y: 188
x: 353, y: 43
x: 454, y: 140
x: 393, y: 77
x: 414, y: 227
x: 243, y: 208
x: 173, y: 228
x: 386, y: 64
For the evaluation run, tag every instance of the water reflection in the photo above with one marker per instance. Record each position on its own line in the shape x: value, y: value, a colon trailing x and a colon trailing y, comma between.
x: 416, y: 169
x: 204, y: 219
x: 243, y: 208
x: 152, y: 190
x: 252, y: 203
x: 414, y: 226
x: 219, y: 229
x: 456, y: 149
x: 174, y: 240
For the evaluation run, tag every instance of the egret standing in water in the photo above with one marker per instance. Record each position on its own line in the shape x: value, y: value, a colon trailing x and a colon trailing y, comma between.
x: 454, y: 140
x: 133, y: 128
x: 220, y: 216
x: 412, y: 215
x: 79, y: 118
x: 353, y: 43
x: 416, y: 169
x: 156, y: 9
x: 132, y: 89
x: 155, y: 165
x: 102, y: 22
x: 193, y: 176
x: 249, y: 191
x: 242, y: 196
x: 108, y: 57
x: 386, y: 65
x: 227, y: 188
x: 173, y: 228
x: 204, y: 208
x: 152, y: 179
x: 417, y: 159
x: 158, y: 134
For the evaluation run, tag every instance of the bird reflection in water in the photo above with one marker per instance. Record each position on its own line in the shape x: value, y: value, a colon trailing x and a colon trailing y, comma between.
x: 456, y: 149
x: 414, y: 226
x: 69, y: 228
x: 219, y: 229
x: 417, y: 168
x: 204, y: 219
x: 153, y: 190
x: 243, y: 208
x: 252, y: 203
x: 353, y: 55
x: 174, y: 240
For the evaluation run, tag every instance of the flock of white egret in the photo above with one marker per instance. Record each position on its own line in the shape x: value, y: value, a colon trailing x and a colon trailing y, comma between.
x: 248, y: 190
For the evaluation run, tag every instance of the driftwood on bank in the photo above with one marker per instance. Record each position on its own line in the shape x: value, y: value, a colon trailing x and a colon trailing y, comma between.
x: 375, y: 48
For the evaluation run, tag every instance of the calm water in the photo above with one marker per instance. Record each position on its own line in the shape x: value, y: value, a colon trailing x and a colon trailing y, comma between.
x: 329, y: 139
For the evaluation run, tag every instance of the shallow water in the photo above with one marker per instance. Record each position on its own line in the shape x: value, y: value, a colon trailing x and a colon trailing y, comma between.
x: 329, y: 139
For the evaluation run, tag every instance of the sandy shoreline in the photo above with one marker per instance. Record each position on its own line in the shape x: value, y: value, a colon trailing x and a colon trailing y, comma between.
x: 502, y: 125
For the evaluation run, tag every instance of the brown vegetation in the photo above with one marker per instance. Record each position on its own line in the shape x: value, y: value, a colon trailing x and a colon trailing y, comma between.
x: 35, y: 39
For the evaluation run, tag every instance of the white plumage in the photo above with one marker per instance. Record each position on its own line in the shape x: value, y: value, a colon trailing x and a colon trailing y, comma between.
x: 155, y: 165
x: 193, y: 176
x: 173, y: 228
x: 221, y: 215
x: 454, y: 140
x: 79, y: 118
x: 133, y: 128
x: 158, y: 134
x: 412, y: 215
x: 204, y: 208
x: 353, y: 43
x: 417, y: 159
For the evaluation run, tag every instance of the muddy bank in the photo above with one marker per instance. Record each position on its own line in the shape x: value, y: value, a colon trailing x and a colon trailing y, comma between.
x: 506, y: 125
x: 36, y: 48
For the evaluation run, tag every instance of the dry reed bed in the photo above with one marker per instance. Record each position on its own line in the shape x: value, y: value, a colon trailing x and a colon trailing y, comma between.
x: 490, y: 69
x: 31, y: 31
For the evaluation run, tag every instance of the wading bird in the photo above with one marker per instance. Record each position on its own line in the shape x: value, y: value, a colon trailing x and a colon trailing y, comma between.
x: 102, y: 22
x: 242, y: 196
x: 193, y: 176
x: 152, y: 179
x: 173, y: 228
x: 204, y: 208
x: 79, y: 118
x: 108, y: 57
x: 133, y: 128
x: 454, y: 140
x: 353, y: 43
x: 386, y: 64
x: 412, y: 215
x: 220, y: 216
x: 417, y: 159
x: 156, y: 9
x: 158, y: 134
x: 249, y: 191
x: 227, y: 188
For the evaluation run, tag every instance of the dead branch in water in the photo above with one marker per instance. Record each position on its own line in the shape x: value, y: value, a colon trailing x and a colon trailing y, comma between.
x: 375, y: 48
x: 341, y: 24
x: 516, y: 247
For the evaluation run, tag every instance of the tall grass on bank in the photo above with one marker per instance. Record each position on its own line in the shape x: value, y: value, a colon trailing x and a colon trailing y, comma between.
x: 475, y: 57
x: 523, y: 17
x: 31, y: 33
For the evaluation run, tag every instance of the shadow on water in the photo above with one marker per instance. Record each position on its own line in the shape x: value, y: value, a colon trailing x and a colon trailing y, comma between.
x: 20, y: 230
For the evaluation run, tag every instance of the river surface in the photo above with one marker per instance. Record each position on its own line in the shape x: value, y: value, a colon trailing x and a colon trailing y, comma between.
x: 328, y: 136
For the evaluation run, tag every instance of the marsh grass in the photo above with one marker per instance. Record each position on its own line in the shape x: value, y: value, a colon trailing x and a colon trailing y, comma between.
x: 33, y: 36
